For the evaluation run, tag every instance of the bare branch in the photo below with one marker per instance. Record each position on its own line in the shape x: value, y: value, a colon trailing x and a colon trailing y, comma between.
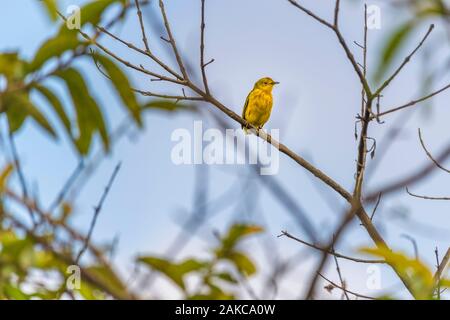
x: 442, y: 266
x: 410, y: 179
x: 429, y: 154
x: 141, y: 23
x: 202, y: 49
x: 376, y: 206
x: 312, y: 14
x: 346, y: 290
x: 21, y: 176
x: 414, y: 243
x: 426, y: 197
x: 338, y: 269
x: 332, y: 252
x: 172, y: 40
x: 414, y: 102
x: 97, y: 210
x: 336, y: 14
x: 404, y: 63
x: 341, y: 40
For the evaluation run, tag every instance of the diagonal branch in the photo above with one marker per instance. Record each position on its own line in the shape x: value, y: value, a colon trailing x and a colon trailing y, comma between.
x: 332, y: 252
x: 203, y: 65
x: 426, y: 197
x: 442, y: 266
x: 346, y: 290
x: 429, y: 154
x: 414, y: 102
x: 97, y: 210
x: 172, y: 41
x: 341, y: 40
x: 404, y: 63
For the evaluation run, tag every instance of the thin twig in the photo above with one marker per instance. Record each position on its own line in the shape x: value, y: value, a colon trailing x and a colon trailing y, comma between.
x: 442, y: 266
x: 141, y: 23
x: 23, y: 183
x: 429, y: 154
x: 376, y: 206
x: 323, y: 249
x: 414, y: 102
x: 426, y: 197
x: 346, y: 290
x: 438, y: 277
x: 66, y: 187
x: 404, y: 63
x: 414, y: 243
x: 97, y: 210
x: 172, y: 40
x: 338, y: 269
x: 202, y: 49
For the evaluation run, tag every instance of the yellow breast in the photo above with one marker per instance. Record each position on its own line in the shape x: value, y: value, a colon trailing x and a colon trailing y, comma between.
x: 259, y: 107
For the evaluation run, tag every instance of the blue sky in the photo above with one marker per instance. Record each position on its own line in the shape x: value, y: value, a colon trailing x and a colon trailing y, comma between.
x: 315, y: 108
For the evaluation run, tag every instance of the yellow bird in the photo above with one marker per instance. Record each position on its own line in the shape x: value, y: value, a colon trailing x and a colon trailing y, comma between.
x: 258, y: 105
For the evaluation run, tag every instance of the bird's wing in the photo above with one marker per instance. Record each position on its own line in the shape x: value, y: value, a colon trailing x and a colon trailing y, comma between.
x: 245, y: 109
x: 246, y: 104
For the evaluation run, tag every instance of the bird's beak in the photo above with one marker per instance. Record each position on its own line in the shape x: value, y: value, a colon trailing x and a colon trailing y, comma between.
x: 276, y: 82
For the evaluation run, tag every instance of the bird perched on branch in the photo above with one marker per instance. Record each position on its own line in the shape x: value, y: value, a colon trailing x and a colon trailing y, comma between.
x: 258, y: 105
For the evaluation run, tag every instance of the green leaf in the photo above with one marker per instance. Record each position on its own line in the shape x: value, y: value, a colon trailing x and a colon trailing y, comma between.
x: 392, y: 48
x: 4, y: 177
x: 413, y: 271
x: 168, y: 105
x: 165, y: 267
x: 92, y: 12
x: 108, y: 279
x: 89, y: 117
x: 173, y: 271
x: 243, y: 263
x: 57, y: 106
x: 239, y: 231
x: 14, y: 293
x: 225, y: 276
x: 444, y: 283
x: 122, y: 86
x: 11, y: 66
x: 53, y: 47
x: 18, y: 107
x: 51, y: 7
x: 236, y: 233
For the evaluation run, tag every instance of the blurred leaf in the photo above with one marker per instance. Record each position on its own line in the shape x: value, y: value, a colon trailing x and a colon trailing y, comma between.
x: 92, y: 12
x: 225, y: 276
x: 4, y: 176
x: 239, y: 231
x: 11, y: 66
x: 173, y: 271
x: 57, y: 106
x: 51, y: 7
x: 109, y: 279
x: 18, y: 107
x: 168, y: 105
x: 13, y: 293
x: 444, y: 283
x: 122, y: 86
x: 215, y: 293
x: 235, y: 234
x: 243, y: 263
x: 53, y: 47
x: 89, y: 116
x: 392, y: 47
x: 418, y: 276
